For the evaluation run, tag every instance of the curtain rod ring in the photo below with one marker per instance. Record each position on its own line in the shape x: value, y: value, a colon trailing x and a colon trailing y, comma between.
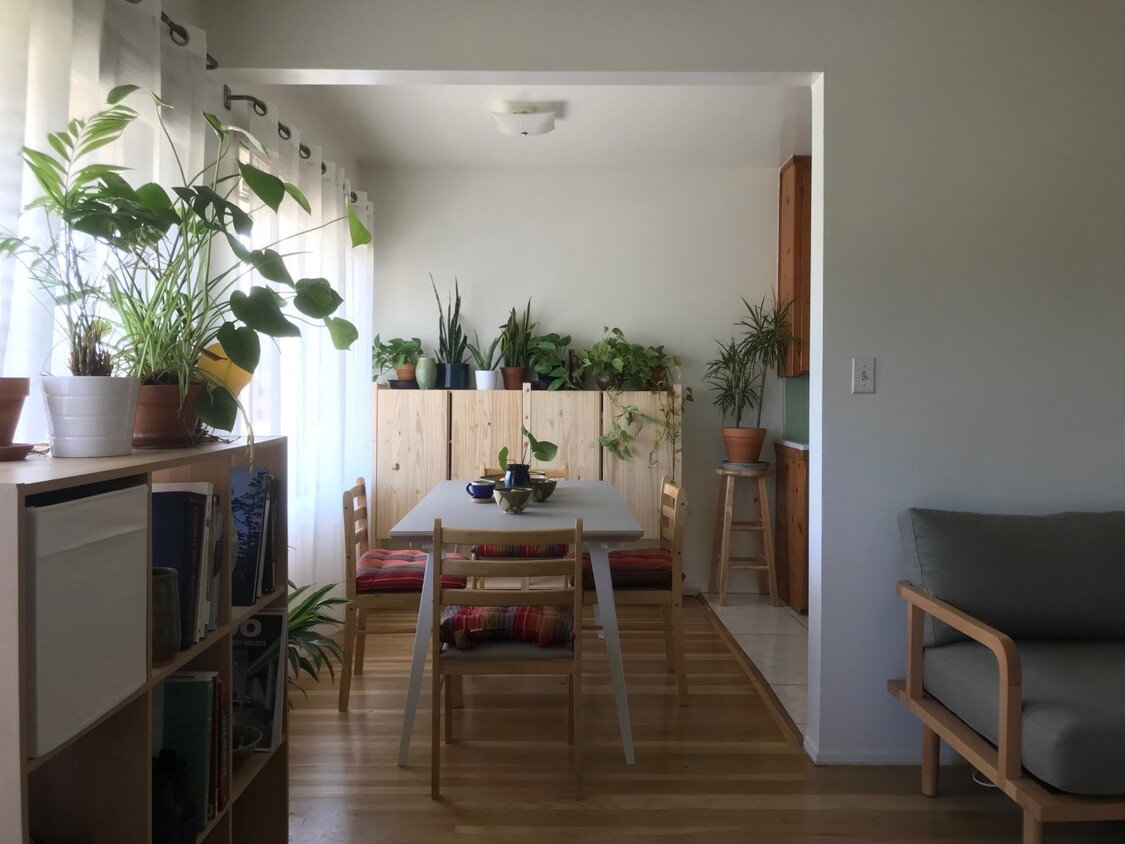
x: 259, y: 107
x: 304, y: 151
x: 323, y: 169
x: 179, y: 34
x: 283, y: 131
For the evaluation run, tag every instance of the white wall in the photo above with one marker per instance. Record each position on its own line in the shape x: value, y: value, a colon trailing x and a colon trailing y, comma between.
x: 970, y: 208
x: 664, y: 255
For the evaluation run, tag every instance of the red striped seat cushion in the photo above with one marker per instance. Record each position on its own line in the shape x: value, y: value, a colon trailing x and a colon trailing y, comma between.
x: 383, y: 570
x: 483, y: 552
x: 463, y: 627
x: 639, y: 568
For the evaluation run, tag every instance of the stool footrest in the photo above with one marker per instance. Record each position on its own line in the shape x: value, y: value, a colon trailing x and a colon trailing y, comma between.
x: 747, y: 526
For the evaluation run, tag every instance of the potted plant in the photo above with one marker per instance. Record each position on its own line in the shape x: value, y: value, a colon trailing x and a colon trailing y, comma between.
x: 738, y: 375
x: 453, y: 372
x: 309, y: 646
x: 13, y: 391
x: 173, y: 308
x: 485, y: 361
x: 548, y: 359
x: 515, y: 347
x: 613, y: 361
x: 89, y: 413
x: 519, y: 474
x: 398, y: 353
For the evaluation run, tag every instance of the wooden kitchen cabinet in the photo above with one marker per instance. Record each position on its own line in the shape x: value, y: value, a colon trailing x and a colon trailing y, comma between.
x: 791, y: 536
x: 793, y: 259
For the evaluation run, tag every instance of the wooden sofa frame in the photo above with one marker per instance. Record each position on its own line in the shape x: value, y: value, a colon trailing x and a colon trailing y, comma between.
x: 1000, y: 764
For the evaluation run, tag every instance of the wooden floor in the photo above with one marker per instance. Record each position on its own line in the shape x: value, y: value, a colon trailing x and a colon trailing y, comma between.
x: 727, y: 768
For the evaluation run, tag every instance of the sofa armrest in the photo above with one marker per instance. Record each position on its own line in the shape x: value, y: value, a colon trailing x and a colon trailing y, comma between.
x: 920, y: 603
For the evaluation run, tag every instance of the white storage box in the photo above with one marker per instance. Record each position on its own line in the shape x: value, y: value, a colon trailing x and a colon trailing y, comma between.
x: 87, y: 611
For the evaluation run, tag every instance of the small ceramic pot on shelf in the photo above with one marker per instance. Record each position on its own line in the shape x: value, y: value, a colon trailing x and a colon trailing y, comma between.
x: 425, y: 373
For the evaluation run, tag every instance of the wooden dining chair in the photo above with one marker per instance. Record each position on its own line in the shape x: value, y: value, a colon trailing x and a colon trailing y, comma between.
x: 491, y: 631
x: 378, y: 580
x: 653, y: 577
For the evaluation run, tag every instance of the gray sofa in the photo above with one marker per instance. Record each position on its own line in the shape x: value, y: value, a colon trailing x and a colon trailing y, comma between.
x: 1016, y: 655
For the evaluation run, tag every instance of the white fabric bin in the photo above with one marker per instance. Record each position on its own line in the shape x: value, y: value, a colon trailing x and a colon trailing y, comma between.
x: 86, y: 611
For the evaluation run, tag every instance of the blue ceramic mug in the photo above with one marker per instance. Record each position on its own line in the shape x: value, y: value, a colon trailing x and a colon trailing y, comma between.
x: 480, y: 489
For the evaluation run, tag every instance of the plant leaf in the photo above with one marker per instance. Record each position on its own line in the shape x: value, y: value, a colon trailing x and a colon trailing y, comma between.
x: 260, y: 311
x: 343, y: 333
x: 298, y: 196
x: 359, y: 233
x: 266, y: 186
x: 316, y: 298
x: 241, y: 345
x: 217, y: 407
x: 271, y: 265
x: 121, y: 92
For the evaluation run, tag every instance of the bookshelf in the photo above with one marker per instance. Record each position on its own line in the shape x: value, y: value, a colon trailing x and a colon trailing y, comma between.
x: 95, y: 786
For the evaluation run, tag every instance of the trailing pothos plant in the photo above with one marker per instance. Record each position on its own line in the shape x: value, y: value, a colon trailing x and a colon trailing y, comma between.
x: 62, y: 261
x: 308, y: 649
x: 180, y: 258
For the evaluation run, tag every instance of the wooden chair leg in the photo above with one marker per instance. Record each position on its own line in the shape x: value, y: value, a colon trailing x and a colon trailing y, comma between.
x: 767, y: 539
x: 361, y: 639
x: 1032, y: 829
x: 449, y: 686
x: 669, y: 644
x: 570, y: 709
x: 931, y: 756
x: 716, y: 541
x: 681, y: 663
x: 346, y: 668
x: 457, y: 693
x: 576, y: 708
x: 435, y: 736
x: 724, y: 547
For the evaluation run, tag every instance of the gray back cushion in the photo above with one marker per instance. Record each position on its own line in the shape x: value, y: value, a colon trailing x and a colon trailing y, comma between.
x: 1032, y: 577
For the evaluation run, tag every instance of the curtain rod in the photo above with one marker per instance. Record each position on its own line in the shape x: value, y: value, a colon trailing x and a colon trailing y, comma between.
x: 180, y: 36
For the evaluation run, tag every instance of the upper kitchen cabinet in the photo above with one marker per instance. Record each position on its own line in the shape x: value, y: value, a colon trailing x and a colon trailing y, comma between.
x: 794, y: 221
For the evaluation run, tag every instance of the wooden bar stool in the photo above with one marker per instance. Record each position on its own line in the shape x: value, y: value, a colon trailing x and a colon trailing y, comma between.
x: 722, y: 562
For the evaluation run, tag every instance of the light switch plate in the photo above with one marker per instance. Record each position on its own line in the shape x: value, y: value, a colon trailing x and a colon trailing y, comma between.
x: 863, y: 375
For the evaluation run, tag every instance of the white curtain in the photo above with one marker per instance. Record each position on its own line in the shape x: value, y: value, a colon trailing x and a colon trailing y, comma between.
x: 60, y: 59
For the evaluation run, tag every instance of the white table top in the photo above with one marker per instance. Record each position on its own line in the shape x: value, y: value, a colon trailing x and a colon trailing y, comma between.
x: 603, y: 513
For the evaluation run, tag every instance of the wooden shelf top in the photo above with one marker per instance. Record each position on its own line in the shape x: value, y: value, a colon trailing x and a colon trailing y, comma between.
x: 43, y: 474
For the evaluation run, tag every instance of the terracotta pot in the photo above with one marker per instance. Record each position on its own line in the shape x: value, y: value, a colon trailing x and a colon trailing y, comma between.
x: 12, y: 393
x: 513, y: 377
x: 162, y: 422
x: 405, y: 372
x: 744, y: 445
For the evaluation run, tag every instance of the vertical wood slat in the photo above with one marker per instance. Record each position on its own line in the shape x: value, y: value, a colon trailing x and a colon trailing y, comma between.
x: 792, y: 540
x: 793, y: 258
x: 637, y: 481
x: 481, y: 423
x: 411, y: 451
x: 571, y: 420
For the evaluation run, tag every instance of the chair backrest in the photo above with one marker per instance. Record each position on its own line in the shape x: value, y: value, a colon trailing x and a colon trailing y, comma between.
x: 569, y: 567
x: 673, y: 513
x: 355, y: 531
x: 561, y: 473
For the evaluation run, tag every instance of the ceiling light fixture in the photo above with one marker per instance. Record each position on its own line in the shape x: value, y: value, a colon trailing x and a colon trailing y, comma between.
x: 523, y: 119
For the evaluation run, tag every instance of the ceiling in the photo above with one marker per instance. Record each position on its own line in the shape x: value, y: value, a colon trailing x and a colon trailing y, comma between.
x: 643, y: 126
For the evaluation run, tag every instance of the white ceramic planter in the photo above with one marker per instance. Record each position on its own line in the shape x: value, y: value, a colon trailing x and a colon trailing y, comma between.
x: 90, y: 415
x: 487, y: 379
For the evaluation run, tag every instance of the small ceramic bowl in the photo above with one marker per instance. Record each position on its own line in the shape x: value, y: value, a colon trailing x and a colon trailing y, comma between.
x: 541, y: 488
x: 246, y: 738
x: 512, y: 500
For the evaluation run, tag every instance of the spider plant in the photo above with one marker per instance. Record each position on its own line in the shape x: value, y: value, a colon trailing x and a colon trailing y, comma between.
x: 733, y: 379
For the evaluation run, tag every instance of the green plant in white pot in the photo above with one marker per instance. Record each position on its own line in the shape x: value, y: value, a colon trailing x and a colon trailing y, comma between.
x: 89, y: 413
x: 484, y: 359
x: 178, y: 305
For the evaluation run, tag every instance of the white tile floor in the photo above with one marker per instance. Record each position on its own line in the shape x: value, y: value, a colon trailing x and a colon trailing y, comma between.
x: 777, y: 641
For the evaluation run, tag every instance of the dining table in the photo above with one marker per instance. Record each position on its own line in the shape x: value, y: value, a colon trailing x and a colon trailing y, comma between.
x: 607, y: 523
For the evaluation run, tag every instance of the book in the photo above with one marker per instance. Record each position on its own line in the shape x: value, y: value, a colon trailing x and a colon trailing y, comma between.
x: 259, y: 679
x: 217, y: 565
x: 202, y: 595
x: 188, y: 715
x: 177, y: 542
x: 249, y: 491
x: 273, y: 537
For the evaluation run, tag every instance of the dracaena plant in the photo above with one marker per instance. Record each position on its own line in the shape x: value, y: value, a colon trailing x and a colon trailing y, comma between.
x: 62, y: 260
x: 180, y: 257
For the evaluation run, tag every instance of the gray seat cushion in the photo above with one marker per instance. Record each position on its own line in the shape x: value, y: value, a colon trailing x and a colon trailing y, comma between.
x: 1073, y: 707
x: 1032, y: 577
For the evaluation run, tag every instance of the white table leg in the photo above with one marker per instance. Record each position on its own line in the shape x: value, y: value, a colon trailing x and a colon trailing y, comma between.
x: 418, y: 658
x: 599, y: 560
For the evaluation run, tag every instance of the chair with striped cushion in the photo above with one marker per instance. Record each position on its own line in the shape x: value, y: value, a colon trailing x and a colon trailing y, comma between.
x: 494, y: 631
x: 653, y: 577
x: 377, y: 579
